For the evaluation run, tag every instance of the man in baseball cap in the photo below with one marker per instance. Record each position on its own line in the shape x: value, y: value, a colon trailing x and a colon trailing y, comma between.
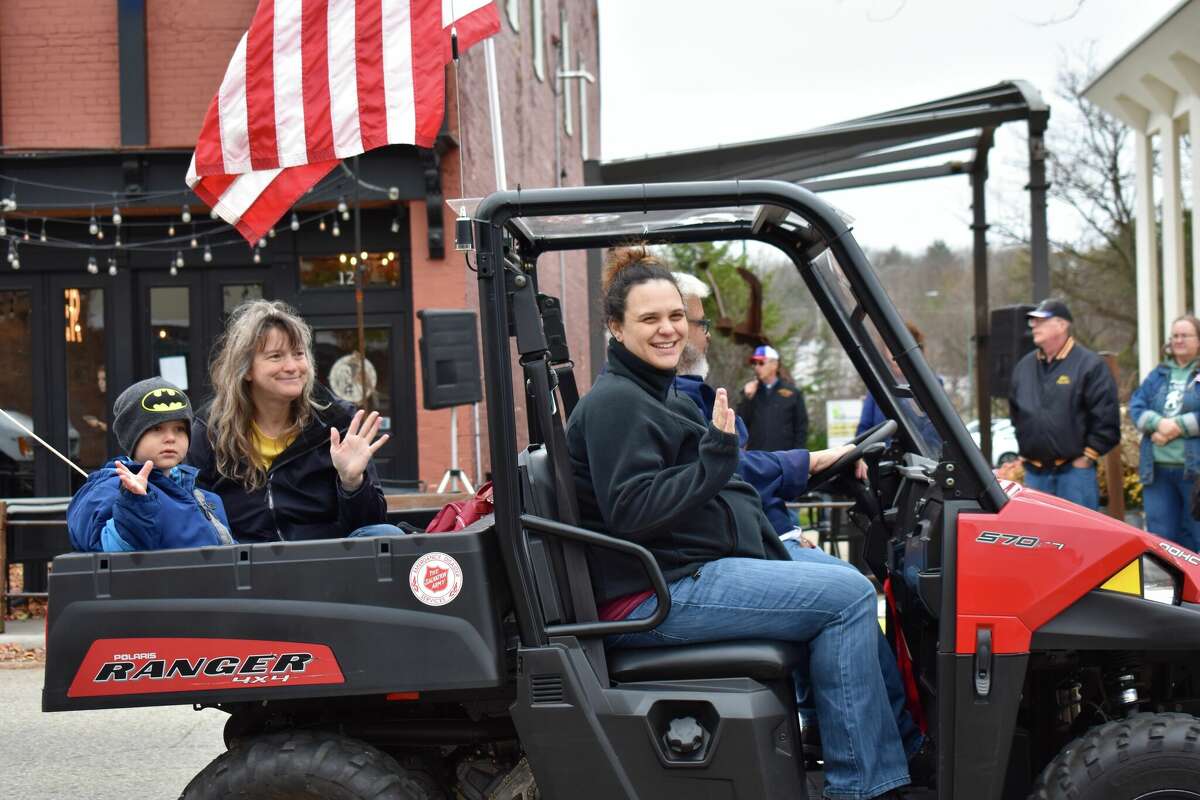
x: 1063, y: 405
x: 772, y: 408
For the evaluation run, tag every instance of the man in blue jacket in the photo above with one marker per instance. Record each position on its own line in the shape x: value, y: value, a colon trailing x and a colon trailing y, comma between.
x: 147, y: 499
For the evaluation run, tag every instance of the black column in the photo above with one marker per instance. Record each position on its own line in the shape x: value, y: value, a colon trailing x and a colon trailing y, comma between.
x: 131, y: 51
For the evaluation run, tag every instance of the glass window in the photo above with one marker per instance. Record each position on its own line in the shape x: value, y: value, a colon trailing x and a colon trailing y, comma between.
x: 337, y: 272
x: 336, y: 354
x: 539, y: 37
x: 234, y: 294
x: 87, y: 380
x: 17, y: 449
x: 170, y: 340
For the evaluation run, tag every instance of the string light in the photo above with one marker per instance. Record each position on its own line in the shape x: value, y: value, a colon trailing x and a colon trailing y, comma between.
x: 195, y: 241
x: 117, y: 238
x: 171, y: 230
x: 112, y: 266
x: 92, y: 266
x: 185, y: 215
x: 342, y: 258
x: 3, y: 226
x: 25, y: 235
x: 271, y: 233
x: 295, y: 224
x: 354, y: 261
x: 395, y: 224
x: 342, y: 208
x: 174, y: 270
x: 14, y: 258
x: 100, y: 233
x: 207, y: 254
x: 262, y: 242
x: 42, y: 235
x: 336, y: 230
x: 391, y: 255
x: 322, y: 225
x: 363, y: 255
x: 212, y: 213
x: 116, y: 217
x: 257, y: 256
x: 179, y: 259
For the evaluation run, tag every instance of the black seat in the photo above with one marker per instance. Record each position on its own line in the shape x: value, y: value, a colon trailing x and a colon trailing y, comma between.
x: 758, y: 659
x: 762, y: 660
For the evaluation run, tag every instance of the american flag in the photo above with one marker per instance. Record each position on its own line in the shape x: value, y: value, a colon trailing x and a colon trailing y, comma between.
x: 316, y: 81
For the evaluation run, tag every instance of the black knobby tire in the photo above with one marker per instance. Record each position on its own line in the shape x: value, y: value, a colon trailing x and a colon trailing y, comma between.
x: 304, y: 765
x: 1142, y: 757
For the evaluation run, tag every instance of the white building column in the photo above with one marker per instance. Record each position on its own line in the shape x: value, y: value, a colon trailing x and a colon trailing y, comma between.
x: 1149, y: 328
x: 1173, y: 264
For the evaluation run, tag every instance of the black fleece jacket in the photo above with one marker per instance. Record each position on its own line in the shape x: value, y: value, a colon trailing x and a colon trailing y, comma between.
x: 1064, y: 408
x: 303, y: 498
x: 649, y: 469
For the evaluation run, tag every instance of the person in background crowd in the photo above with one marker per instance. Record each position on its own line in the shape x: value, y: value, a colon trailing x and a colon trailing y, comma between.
x: 1063, y: 406
x: 154, y: 506
x: 772, y: 408
x: 1166, y: 408
x: 872, y: 415
x: 291, y: 461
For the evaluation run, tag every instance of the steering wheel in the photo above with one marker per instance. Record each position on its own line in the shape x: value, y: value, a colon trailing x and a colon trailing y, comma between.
x: 879, y: 433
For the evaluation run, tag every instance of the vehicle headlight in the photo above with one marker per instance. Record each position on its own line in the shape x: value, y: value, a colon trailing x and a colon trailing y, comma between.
x: 1145, y: 577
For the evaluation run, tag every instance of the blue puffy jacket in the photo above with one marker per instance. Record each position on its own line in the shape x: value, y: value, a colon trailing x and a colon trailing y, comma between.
x: 777, y: 475
x: 173, y: 513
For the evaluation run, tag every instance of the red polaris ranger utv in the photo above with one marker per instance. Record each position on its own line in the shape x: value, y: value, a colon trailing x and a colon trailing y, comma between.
x: 1054, y: 649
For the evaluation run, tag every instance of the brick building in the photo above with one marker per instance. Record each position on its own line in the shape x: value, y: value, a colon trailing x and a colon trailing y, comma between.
x: 100, y: 105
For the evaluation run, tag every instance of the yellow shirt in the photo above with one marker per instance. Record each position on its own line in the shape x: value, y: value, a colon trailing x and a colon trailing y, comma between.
x: 267, y: 447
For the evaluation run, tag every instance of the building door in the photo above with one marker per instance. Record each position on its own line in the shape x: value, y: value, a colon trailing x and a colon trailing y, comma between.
x: 19, y: 453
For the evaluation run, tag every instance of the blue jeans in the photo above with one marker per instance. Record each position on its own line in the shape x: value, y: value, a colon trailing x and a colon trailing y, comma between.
x: 378, y: 529
x: 807, y: 601
x: 1168, y: 500
x: 1077, y: 484
x: 910, y: 734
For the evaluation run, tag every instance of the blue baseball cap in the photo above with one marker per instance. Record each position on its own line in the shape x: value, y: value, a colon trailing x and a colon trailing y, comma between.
x: 764, y: 353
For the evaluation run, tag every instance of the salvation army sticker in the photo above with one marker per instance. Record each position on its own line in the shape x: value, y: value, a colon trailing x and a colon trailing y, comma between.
x: 435, y: 579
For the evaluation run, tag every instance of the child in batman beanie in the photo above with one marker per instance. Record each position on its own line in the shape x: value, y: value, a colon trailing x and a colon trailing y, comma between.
x: 147, y: 498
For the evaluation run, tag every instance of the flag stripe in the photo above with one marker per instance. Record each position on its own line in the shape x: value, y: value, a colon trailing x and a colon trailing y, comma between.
x: 343, y: 80
x: 285, y: 188
x: 397, y: 71
x: 429, y: 71
x: 235, y: 147
x: 260, y: 87
x: 372, y: 107
x: 317, y: 121
x: 289, y: 85
x: 208, y: 158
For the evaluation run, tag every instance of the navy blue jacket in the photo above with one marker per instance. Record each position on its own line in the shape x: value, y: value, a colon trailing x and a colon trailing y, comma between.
x: 168, y: 516
x: 1145, y: 409
x: 777, y: 475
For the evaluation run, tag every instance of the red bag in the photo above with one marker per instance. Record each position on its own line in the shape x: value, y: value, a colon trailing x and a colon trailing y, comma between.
x: 459, y: 514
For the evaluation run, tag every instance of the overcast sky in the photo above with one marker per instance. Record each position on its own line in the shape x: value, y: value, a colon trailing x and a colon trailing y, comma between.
x: 686, y: 74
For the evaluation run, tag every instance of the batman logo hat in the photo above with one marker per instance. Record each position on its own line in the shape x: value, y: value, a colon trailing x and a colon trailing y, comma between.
x: 146, y: 404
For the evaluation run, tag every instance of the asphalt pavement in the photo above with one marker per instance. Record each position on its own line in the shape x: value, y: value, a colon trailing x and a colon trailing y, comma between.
x: 143, y: 753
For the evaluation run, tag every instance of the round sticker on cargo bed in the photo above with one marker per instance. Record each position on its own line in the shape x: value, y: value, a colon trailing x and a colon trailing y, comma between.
x: 435, y: 579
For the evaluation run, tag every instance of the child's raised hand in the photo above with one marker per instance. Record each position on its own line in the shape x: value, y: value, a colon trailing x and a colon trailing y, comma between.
x: 135, y: 484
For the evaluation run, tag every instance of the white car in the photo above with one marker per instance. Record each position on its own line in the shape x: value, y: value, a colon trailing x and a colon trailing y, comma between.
x: 1004, y: 439
x: 16, y: 445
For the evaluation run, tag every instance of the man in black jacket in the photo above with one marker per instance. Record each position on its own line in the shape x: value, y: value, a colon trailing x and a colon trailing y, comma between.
x: 772, y: 408
x: 1063, y: 405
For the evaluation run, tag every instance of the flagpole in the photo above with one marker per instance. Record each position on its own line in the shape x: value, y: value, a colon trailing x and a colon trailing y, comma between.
x: 359, y: 281
x: 489, y: 56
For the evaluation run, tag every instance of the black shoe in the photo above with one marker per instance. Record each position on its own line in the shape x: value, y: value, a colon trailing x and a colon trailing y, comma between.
x: 922, y: 765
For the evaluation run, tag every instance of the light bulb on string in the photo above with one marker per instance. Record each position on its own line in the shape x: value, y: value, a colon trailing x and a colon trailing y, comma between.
x: 93, y: 225
x: 207, y: 254
x: 271, y: 233
x: 321, y: 227
x: 395, y: 224
x: 185, y: 215
x: 3, y: 226
x: 341, y: 206
x: 295, y: 223
x: 13, y: 258
x: 257, y: 256
x: 112, y: 267
x: 391, y: 255
x: 262, y: 242
x: 363, y: 255
x: 92, y: 266
x: 195, y: 241
x: 100, y: 233
x: 117, y: 238
x: 171, y: 230
x: 116, y: 216
x: 42, y: 235
x: 354, y: 261
x: 174, y: 270
x: 336, y: 231
x: 179, y: 259
x: 342, y: 258
x: 212, y: 213
x: 25, y: 234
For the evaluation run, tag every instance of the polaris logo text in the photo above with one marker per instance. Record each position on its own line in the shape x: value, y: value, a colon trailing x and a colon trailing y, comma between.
x: 160, y: 669
x: 1182, y: 555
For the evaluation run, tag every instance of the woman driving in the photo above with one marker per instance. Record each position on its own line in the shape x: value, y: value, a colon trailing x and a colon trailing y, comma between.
x: 289, y: 460
x: 650, y: 469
